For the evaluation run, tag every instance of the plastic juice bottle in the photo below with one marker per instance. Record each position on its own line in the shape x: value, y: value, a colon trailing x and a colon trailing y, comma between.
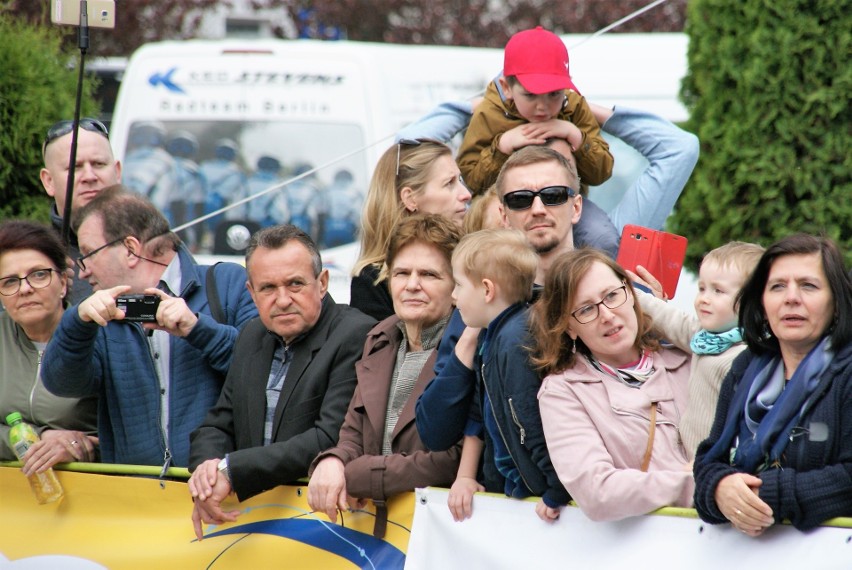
x: 45, y: 486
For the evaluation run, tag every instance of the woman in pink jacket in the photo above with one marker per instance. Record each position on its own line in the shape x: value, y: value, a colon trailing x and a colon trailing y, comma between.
x: 612, y: 397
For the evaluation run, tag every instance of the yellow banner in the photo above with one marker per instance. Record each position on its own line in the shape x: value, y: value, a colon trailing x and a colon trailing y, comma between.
x: 130, y: 522
x: 136, y: 521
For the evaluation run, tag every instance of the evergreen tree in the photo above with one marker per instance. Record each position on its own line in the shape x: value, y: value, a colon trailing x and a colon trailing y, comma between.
x: 37, y: 88
x: 768, y: 90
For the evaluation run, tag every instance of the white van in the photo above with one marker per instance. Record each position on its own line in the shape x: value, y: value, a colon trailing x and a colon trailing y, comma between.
x: 202, y: 124
x: 280, y: 107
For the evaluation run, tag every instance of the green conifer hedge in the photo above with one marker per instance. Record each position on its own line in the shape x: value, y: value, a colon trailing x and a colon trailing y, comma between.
x: 37, y: 88
x: 768, y: 89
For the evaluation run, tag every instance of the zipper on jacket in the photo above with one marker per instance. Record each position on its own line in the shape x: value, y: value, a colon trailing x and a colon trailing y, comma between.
x: 164, y: 437
x: 500, y: 430
x: 621, y: 412
x: 167, y: 460
x: 517, y: 421
x: 35, y: 384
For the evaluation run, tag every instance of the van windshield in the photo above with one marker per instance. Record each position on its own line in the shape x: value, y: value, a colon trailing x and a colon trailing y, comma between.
x: 192, y: 168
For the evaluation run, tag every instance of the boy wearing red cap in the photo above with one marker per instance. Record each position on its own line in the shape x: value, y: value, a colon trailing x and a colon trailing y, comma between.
x: 533, y: 101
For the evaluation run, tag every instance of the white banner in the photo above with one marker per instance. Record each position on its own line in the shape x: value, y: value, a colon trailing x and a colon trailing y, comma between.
x: 507, y: 534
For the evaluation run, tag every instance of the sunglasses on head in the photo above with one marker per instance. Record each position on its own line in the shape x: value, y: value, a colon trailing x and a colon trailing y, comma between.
x: 406, y: 142
x: 550, y: 196
x: 62, y: 128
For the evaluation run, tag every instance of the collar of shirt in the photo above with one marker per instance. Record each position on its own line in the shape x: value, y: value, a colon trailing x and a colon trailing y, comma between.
x: 170, y: 281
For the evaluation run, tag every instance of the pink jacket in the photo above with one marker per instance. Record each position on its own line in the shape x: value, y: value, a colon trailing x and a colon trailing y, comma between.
x: 597, y: 428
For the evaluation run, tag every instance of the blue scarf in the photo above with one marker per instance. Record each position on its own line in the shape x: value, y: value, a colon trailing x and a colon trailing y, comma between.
x: 706, y: 342
x: 763, y: 426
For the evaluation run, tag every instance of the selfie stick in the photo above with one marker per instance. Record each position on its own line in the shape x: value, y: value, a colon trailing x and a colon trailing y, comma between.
x: 83, y: 43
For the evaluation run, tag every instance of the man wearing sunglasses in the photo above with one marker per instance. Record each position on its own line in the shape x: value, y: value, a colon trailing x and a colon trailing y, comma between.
x: 537, y: 190
x: 96, y: 168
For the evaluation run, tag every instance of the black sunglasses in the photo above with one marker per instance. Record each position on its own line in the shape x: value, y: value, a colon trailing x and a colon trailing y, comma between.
x: 407, y: 142
x: 62, y: 128
x: 550, y: 196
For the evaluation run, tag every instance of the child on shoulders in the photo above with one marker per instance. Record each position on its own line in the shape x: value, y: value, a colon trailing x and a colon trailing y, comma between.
x: 534, y: 100
x: 494, y: 272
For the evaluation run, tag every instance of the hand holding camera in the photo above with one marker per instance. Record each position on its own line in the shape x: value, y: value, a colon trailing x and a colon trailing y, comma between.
x: 100, y: 307
x: 155, y: 309
x: 172, y: 315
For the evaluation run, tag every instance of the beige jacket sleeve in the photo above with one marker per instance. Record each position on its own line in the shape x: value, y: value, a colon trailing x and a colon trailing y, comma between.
x: 675, y: 325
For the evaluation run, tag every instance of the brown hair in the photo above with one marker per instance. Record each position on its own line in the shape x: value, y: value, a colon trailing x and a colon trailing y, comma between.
x: 503, y: 256
x: 125, y: 213
x: 553, y: 349
x: 431, y: 229
x: 23, y: 234
x: 756, y: 332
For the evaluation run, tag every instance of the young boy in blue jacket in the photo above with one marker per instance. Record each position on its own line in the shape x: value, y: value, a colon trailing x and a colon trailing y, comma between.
x: 494, y: 272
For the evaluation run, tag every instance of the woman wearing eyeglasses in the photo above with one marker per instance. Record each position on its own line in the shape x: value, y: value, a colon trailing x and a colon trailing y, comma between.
x: 411, y: 176
x: 612, y: 397
x: 33, y: 288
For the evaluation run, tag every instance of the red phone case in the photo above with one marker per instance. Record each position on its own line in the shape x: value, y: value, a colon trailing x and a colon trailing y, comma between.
x: 659, y: 252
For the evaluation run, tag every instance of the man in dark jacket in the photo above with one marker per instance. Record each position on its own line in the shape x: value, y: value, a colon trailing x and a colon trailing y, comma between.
x: 289, y: 385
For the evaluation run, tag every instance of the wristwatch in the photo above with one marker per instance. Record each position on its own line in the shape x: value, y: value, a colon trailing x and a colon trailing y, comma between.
x: 223, y: 469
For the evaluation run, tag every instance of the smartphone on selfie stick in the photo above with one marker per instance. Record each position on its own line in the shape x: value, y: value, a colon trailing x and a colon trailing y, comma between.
x: 82, y: 13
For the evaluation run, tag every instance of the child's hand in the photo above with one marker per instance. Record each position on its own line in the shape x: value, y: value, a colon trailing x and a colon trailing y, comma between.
x: 646, y: 278
x: 545, y: 513
x: 516, y: 138
x: 555, y: 129
x: 460, y: 500
x: 466, y: 346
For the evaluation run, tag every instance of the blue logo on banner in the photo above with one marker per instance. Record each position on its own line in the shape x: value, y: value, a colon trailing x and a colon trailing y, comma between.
x: 165, y: 79
x: 362, y: 550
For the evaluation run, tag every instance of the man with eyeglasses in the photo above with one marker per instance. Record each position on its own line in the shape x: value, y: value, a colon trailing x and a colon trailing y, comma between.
x: 96, y: 168
x: 537, y: 187
x: 290, y: 382
x: 155, y: 380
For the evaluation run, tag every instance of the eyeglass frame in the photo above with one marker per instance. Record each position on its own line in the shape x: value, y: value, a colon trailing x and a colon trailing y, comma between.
x: 406, y: 142
x: 80, y: 262
x: 62, y: 128
x: 50, y: 272
x: 569, y: 193
x: 597, y: 305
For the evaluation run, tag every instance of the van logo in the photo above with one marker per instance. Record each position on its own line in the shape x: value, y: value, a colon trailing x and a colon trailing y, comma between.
x: 287, y: 78
x: 165, y: 79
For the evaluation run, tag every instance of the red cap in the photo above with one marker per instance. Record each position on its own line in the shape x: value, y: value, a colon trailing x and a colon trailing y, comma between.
x: 539, y: 60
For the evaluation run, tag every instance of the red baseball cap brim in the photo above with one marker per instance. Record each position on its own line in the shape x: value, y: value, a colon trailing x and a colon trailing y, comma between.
x: 538, y: 83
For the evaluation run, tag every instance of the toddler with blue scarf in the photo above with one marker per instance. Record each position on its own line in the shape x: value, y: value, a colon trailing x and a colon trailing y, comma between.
x: 712, y: 335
